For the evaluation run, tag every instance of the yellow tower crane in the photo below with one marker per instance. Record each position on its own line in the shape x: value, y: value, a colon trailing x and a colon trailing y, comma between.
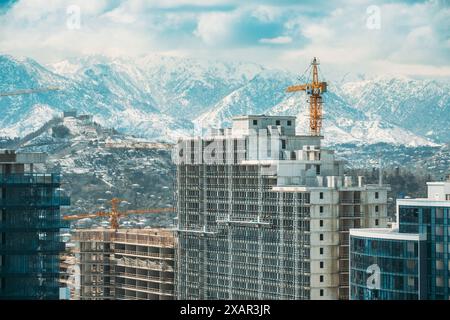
x: 314, y: 90
x: 115, y: 214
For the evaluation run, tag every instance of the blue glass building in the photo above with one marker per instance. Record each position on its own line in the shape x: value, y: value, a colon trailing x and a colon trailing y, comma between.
x: 409, y: 260
x: 30, y: 224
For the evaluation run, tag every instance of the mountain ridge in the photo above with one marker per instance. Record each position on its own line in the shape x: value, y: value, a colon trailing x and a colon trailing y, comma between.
x: 163, y: 98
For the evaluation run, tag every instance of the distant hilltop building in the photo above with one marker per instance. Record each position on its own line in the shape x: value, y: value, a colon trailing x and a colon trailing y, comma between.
x: 264, y: 213
x: 85, y: 118
x: 70, y: 113
x: 411, y: 258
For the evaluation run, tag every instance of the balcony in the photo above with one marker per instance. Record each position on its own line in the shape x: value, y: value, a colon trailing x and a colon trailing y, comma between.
x: 350, y: 201
x: 53, y: 201
x: 24, y: 226
x: 145, y: 277
x: 30, y: 178
x: 349, y: 215
x: 142, y: 288
x: 23, y: 248
x: 145, y: 254
x: 52, y: 271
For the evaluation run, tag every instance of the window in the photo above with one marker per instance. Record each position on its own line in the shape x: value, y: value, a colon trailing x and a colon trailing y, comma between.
x: 439, y: 213
x: 318, y: 169
x: 376, y: 208
x: 410, y: 264
x: 321, y: 237
x: 377, y: 195
x: 283, y: 144
x: 447, y: 197
x: 411, y: 281
x: 277, y: 122
x: 255, y: 122
x: 321, y: 292
x: 321, y: 195
x: 410, y: 247
x: 289, y: 122
x: 321, y: 223
x: 376, y: 222
x: 439, y: 281
x: 321, y: 278
x: 321, y: 264
x: 321, y: 250
x: 321, y: 209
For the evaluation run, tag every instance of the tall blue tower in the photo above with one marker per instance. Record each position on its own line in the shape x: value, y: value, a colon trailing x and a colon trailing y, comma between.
x: 30, y: 223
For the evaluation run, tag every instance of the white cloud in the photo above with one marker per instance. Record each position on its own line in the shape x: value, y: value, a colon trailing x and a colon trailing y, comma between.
x: 414, y: 36
x: 119, y: 15
x: 277, y: 40
x: 318, y: 31
x: 215, y: 28
x: 266, y: 13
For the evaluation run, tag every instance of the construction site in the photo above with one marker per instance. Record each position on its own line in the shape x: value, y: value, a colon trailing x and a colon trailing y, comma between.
x: 125, y: 264
x: 262, y: 213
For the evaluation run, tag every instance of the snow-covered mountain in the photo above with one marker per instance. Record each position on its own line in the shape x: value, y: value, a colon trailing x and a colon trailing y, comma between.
x: 100, y: 89
x: 422, y: 106
x: 160, y: 97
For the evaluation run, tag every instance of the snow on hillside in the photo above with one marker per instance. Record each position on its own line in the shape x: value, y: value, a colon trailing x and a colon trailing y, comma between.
x: 163, y: 98
x: 420, y: 106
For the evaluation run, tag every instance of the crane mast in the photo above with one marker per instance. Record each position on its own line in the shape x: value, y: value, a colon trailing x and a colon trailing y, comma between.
x: 314, y: 90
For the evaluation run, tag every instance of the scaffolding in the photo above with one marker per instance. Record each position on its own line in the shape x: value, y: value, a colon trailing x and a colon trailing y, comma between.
x: 127, y: 264
x: 266, y: 220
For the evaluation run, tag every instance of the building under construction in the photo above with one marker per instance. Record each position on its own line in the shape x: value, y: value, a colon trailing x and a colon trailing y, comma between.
x: 264, y: 213
x: 30, y: 224
x: 125, y: 264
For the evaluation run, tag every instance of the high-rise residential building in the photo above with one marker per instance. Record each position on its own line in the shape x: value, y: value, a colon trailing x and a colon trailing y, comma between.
x: 30, y: 224
x: 264, y: 213
x: 127, y: 264
x: 409, y: 260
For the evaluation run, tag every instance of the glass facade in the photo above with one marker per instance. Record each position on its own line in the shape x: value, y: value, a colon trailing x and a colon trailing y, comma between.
x: 30, y: 243
x: 398, y: 263
x: 434, y: 222
x: 409, y: 269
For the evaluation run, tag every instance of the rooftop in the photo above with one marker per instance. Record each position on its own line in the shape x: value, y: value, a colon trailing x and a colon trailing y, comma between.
x: 424, y: 202
x: 385, y: 233
x: 11, y: 156
x: 262, y: 116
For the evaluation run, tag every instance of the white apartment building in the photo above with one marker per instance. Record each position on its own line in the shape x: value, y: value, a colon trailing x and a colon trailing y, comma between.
x: 264, y: 213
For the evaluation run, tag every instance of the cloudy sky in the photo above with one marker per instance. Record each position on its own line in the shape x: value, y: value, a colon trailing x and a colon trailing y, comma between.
x: 349, y: 36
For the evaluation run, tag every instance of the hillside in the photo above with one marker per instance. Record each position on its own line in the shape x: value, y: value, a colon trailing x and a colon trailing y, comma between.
x: 98, y: 164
